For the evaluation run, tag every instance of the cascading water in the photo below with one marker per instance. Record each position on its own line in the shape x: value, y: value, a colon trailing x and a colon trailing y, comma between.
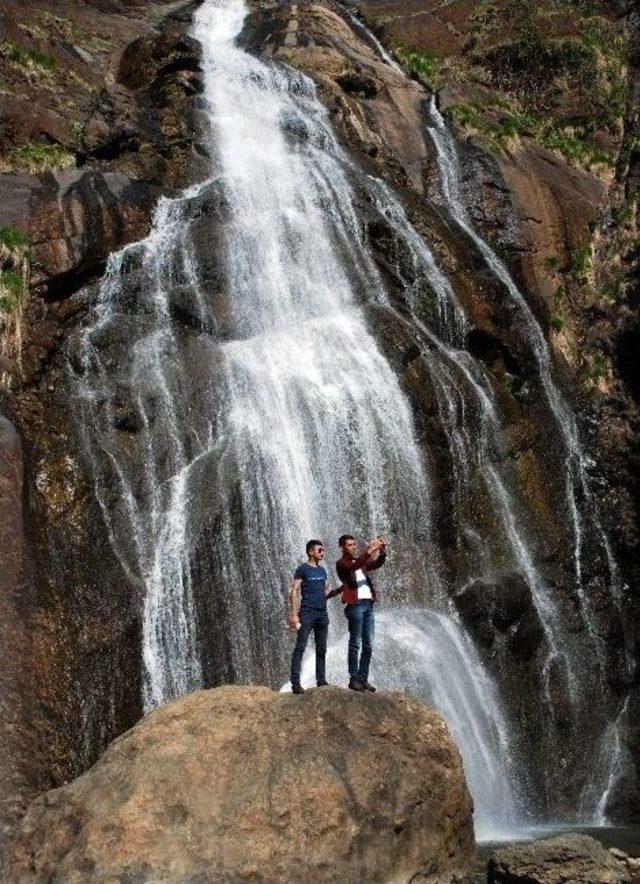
x: 233, y: 403
x: 579, y: 502
x: 577, y: 487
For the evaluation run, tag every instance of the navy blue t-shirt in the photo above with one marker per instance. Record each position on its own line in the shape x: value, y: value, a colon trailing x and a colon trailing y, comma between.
x: 312, y: 587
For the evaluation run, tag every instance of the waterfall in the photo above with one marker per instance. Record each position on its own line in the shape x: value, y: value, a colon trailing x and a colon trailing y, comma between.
x: 577, y: 487
x: 233, y: 403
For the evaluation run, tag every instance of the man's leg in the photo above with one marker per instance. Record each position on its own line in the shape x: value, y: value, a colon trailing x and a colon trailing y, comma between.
x: 354, y: 615
x: 301, y: 643
x: 320, y: 633
x: 368, y: 623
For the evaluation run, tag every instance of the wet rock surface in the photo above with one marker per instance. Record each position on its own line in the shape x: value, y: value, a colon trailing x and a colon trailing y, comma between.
x: 239, y: 783
x: 574, y: 859
x: 96, y: 122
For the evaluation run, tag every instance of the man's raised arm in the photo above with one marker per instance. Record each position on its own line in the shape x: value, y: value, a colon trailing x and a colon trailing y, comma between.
x: 379, y: 560
x: 361, y: 561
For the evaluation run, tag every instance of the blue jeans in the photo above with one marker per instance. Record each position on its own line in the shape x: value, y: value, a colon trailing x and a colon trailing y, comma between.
x: 319, y: 622
x: 361, y: 624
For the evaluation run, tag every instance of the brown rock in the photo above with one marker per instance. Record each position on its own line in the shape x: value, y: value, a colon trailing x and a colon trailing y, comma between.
x: 571, y: 859
x: 241, y: 783
x: 13, y: 589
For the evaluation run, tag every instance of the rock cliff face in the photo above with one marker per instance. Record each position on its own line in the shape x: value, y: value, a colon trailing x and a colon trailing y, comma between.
x: 245, y: 784
x: 95, y: 124
x: 98, y: 114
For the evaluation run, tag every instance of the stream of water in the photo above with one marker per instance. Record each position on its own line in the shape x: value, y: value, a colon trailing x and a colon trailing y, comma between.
x: 271, y: 415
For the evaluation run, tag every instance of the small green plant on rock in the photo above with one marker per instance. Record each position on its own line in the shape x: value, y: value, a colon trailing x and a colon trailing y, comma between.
x: 464, y: 115
x: 15, y: 254
x: 557, y: 323
x: 581, y: 261
x: 28, y: 58
x: 597, y: 367
x: 37, y: 156
x: 14, y: 240
x: 552, y: 262
x: 425, y: 67
x: 627, y: 211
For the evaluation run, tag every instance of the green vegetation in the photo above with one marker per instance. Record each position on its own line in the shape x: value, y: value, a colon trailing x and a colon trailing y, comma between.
x: 79, y: 131
x: 30, y: 57
x: 14, y: 240
x: 597, y: 367
x: 15, y: 255
x: 560, y: 294
x: 557, y: 69
x: 629, y: 151
x: 613, y: 291
x: 574, y: 147
x: 581, y: 261
x: 464, y: 115
x: 36, y: 156
x: 516, y: 123
x: 425, y: 67
x: 552, y: 262
x: 557, y: 323
x: 626, y: 212
x: 12, y: 290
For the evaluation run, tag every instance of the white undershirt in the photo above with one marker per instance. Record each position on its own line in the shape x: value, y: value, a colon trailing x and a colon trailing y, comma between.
x: 364, y: 591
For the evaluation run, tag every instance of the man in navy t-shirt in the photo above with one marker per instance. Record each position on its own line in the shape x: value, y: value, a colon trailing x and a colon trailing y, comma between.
x: 309, y: 593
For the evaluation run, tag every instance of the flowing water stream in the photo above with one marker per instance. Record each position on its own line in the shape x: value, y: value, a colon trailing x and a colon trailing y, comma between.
x: 233, y: 403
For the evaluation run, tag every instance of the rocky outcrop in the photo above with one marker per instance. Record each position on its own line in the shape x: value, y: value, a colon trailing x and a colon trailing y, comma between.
x: 96, y: 122
x: 245, y: 784
x: 575, y: 859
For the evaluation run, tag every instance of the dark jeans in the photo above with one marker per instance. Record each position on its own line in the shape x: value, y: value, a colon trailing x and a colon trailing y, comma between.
x: 319, y: 622
x: 361, y: 624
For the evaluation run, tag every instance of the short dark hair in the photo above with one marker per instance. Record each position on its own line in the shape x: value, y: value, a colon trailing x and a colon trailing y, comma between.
x: 311, y: 544
x: 344, y: 538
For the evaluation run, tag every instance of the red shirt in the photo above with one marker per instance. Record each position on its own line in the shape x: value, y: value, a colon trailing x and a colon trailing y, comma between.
x: 347, y: 567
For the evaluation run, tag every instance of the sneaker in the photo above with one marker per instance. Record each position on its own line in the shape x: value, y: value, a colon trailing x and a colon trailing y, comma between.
x: 297, y: 689
x: 356, y: 685
x: 369, y: 687
x: 323, y: 684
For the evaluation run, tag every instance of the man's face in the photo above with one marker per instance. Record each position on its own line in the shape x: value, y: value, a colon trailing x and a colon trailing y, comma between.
x: 317, y: 553
x: 349, y: 546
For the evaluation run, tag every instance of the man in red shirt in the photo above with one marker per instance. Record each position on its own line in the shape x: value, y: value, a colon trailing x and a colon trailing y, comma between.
x: 359, y: 595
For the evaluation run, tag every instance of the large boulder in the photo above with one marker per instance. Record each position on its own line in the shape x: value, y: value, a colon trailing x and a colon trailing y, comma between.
x: 242, y: 783
x: 564, y: 859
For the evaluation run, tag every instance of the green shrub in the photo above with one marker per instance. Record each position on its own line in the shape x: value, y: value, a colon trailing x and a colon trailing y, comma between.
x: 463, y: 114
x: 11, y: 290
x: 552, y: 262
x: 581, y: 260
x: 425, y: 67
x: 29, y: 57
x: 626, y: 212
x: 598, y: 367
x: 14, y: 240
x: 36, y: 156
x: 557, y: 322
x: 560, y: 294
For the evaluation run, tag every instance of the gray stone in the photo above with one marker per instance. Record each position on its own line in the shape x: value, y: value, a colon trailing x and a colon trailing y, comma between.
x: 563, y: 859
